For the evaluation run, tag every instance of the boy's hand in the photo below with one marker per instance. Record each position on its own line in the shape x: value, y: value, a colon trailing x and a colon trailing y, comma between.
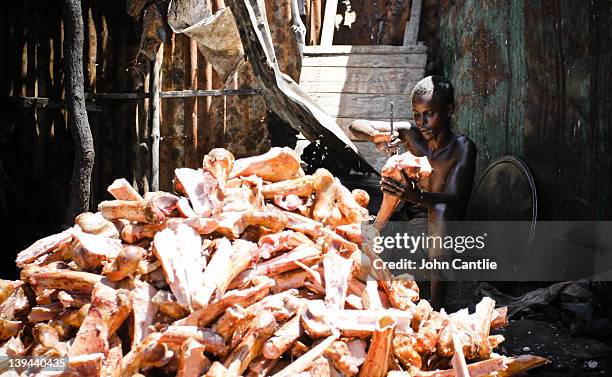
x: 386, y: 142
x: 407, y: 192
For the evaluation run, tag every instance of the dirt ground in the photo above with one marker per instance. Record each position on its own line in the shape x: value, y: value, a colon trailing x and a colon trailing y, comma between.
x: 569, y: 356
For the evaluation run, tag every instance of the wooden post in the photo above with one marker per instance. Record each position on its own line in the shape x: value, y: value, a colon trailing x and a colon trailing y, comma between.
x: 412, y: 29
x: 192, y: 150
x: 329, y: 20
x: 315, y: 22
x: 84, y: 154
x: 299, y: 30
x: 154, y: 111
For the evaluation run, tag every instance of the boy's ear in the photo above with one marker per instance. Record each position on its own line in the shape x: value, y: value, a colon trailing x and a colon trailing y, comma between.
x: 451, y: 109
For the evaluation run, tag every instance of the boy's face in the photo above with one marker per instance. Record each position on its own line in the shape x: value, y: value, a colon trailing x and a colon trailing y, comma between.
x: 429, y: 116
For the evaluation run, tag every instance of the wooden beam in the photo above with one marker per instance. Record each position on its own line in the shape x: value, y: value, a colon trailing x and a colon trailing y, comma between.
x: 314, y: 11
x: 374, y: 49
x: 155, y: 113
x: 367, y: 61
x: 329, y: 20
x: 411, y: 34
x: 47, y: 103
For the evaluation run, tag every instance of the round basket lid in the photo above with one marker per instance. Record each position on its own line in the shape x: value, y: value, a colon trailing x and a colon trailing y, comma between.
x: 505, y: 192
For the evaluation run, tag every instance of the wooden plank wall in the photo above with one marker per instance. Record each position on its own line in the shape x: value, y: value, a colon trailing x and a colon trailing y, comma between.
x: 36, y: 158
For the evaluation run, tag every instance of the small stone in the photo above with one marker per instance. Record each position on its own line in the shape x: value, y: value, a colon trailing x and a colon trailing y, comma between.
x: 591, y: 364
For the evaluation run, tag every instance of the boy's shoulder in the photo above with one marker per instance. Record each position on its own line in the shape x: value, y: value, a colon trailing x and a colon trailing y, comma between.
x: 465, y: 143
x: 463, y: 139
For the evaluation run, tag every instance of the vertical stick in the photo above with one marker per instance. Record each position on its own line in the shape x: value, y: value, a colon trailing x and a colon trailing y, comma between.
x: 412, y: 29
x: 192, y: 150
x: 329, y: 20
x: 299, y: 30
x: 315, y: 22
x: 77, y: 114
x: 154, y: 109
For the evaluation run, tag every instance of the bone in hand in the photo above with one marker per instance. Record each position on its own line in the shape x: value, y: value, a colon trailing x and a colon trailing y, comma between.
x: 415, y: 167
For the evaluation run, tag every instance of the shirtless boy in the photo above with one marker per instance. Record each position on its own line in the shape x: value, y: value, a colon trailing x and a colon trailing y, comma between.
x: 446, y: 192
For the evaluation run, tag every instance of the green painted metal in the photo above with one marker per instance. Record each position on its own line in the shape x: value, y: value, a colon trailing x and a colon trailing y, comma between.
x: 532, y: 78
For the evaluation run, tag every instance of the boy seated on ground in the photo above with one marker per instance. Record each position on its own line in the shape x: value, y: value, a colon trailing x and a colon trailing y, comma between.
x: 446, y: 192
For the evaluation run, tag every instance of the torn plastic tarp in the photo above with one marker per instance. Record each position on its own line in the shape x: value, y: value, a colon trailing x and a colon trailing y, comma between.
x: 216, y: 35
x: 283, y: 95
x: 587, y: 319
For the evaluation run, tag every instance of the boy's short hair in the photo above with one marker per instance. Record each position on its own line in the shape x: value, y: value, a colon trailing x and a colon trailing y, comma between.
x: 435, y: 87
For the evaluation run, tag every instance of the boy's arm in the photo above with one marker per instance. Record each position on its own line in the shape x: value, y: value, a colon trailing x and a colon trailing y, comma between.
x: 376, y: 131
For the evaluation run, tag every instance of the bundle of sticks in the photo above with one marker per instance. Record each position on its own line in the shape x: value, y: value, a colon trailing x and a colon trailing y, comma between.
x: 249, y: 268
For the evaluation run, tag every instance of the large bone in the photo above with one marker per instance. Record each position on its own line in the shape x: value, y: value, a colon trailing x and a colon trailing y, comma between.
x: 219, y: 162
x: 95, y: 223
x: 121, y: 189
x: 227, y: 262
x: 126, y: 263
x: 176, y: 335
x: 109, y: 308
x: 204, y: 316
x: 53, y: 278
x: 180, y: 255
x: 337, y: 274
x: 499, y: 367
x: 191, y: 359
x: 271, y: 244
x: 325, y: 195
x: 42, y: 247
x: 348, y: 206
x: 415, y: 167
x: 284, y: 337
x: 302, y: 187
x: 261, y: 328
x: 143, y: 211
x: 351, y: 323
x: 348, y: 356
x: 303, y: 224
x: 305, y: 361
x: 278, y: 164
x: 135, y: 232
x: 144, y: 310
x: 285, y: 262
x: 202, y: 189
x: 90, y: 251
x: 376, y: 363
x: 233, y: 224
